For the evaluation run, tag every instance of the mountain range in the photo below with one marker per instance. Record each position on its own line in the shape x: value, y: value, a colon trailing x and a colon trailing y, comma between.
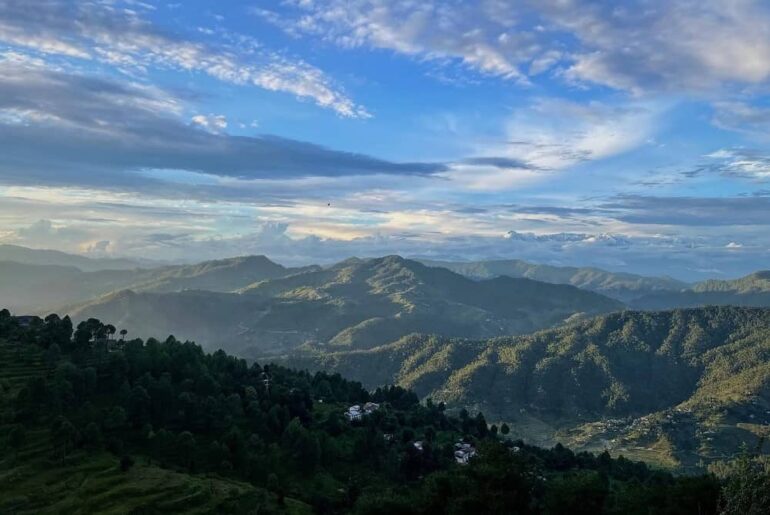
x: 673, y: 387
x: 553, y: 351
x: 751, y: 290
x: 636, y: 291
x: 617, y: 285
x: 354, y: 304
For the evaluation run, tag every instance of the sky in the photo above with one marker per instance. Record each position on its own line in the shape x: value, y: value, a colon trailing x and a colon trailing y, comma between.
x: 632, y: 136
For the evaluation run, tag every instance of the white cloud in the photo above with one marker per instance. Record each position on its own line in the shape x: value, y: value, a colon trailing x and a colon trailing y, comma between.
x: 98, y: 30
x: 741, y: 162
x: 687, y: 44
x: 213, y: 122
x: 552, y: 135
x: 471, y: 33
x: 638, y: 46
x: 556, y: 134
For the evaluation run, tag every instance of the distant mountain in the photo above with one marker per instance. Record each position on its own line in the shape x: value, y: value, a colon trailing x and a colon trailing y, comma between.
x: 751, y: 290
x: 30, y: 289
x: 758, y: 282
x: 620, y: 286
x: 54, y: 257
x: 42, y: 288
x: 672, y: 386
x: 223, y: 275
x: 355, y: 304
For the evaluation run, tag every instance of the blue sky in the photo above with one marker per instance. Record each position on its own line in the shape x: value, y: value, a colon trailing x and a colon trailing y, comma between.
x: 627, y: 135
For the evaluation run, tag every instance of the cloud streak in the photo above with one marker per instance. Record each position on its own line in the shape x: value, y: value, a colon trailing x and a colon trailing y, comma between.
x: 104, y: 31
x: 97, y: 132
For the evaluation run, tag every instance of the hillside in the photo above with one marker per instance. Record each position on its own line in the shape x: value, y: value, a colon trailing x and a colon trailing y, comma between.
x: 95, y: 426
x: 675, y: 386
x: 355, y: 304
x: 40, y: 288
x: 617, y: 285
x: 29, y: 288
x: 758, y: 282
x: 751, y: 290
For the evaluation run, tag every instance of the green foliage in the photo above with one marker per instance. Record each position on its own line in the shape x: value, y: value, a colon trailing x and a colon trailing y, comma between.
x: 747, y: 487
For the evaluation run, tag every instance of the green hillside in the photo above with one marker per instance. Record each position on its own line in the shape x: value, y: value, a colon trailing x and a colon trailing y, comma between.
x: 93, y: 425
x: 357, y: 303
x: 678, y: 386
x: 620, y: 286
x: 752, y: 283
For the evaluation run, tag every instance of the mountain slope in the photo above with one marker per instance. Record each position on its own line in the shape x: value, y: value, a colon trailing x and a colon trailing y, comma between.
x: 29, y: 288
x: 357, y: 303
x: 751, y: 290
x: 700, y: 376
x: 758, y: 282
x: 620, y: 286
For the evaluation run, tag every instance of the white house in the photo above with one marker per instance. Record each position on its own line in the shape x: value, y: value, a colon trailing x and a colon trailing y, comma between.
x: 354, y: 413
x: 464, y: 452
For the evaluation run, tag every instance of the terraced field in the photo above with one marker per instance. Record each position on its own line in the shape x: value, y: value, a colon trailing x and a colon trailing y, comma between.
x: 33, y: 480
x: 94, y: 483
x: 17, y: 366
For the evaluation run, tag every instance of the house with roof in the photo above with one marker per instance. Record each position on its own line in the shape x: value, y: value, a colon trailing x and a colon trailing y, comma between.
x: 464, y: 452
x: 354, y: 413
x: 357, y: 412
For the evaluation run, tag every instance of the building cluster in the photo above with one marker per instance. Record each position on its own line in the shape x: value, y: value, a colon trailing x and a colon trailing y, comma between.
x: 357, y: 412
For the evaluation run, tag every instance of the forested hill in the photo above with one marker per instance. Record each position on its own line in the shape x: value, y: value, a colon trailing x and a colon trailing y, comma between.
x: 92, y: 424
x: 621, y: 286
x: 355, y: 304
x: 709, y: 367
x: 751, y: 290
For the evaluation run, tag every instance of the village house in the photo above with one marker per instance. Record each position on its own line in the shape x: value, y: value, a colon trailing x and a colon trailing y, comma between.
x: 356, y: 412
x: 464, y: 452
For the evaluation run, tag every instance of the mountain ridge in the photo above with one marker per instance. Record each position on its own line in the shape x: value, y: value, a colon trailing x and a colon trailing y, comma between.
x: 359, y: 303
x: 618, y: 285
